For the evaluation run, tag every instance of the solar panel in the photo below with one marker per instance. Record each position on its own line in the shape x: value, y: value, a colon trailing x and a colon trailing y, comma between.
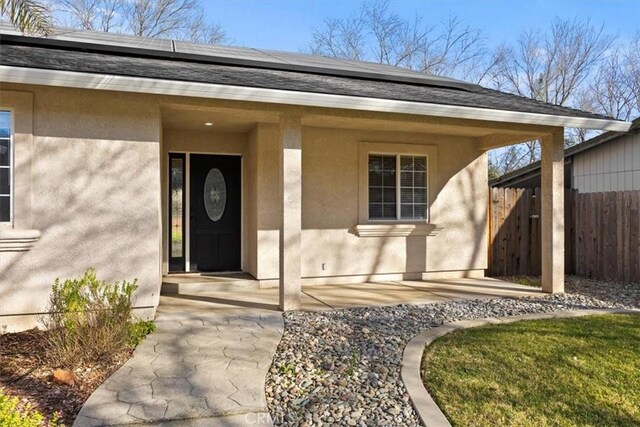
x: 223, y: 52
x: 382, y: 71
x: 112, y: 39
x: 312, y: 60
x: 246, y: 56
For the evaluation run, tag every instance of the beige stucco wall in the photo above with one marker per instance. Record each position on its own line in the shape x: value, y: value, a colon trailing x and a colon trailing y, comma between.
x: 330, y: 187
x: 94, y: 195
x: 330, y: 210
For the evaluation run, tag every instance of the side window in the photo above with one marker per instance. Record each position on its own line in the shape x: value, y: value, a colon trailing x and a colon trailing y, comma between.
x: 6, y: 165
x: 413, y: 187
x: 397, y: 187
x: 382, y: 187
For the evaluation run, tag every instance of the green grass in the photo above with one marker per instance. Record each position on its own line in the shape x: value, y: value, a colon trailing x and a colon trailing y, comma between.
x: 562, y: 372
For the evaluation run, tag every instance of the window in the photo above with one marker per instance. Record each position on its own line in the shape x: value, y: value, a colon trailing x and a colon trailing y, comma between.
x: 177, y: 212
x: 397, y: 187
x: 6, y: 163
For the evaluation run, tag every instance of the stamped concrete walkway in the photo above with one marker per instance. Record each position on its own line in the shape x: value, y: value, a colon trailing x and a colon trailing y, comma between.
x: 196, y: 370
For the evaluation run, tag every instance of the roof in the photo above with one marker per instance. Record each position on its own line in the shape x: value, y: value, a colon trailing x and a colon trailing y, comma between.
x: 229, y: 55
x: 534, y: 168
x: 123, y: 55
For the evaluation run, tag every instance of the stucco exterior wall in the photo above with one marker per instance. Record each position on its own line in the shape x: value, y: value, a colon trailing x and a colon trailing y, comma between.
x: 330, y: 209
x: 94, y: 194
x: 332, y: 252
x: 613, y: 166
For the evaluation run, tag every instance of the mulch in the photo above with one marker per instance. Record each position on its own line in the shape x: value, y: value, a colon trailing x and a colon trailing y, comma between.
x: 27, y: 373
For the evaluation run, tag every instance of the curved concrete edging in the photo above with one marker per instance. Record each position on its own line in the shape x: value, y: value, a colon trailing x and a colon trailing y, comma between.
x: 427, y: 409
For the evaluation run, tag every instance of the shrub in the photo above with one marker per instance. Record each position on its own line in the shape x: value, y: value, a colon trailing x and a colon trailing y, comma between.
x: 139, y: 330
x: 90, y: 320
x: 12, y: 414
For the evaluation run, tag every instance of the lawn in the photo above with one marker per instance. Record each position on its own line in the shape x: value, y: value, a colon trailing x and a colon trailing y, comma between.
x: 559, y: 372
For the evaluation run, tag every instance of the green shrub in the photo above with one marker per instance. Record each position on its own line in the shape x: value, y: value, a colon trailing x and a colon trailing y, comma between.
x: 90, y: 320
x: 139, y: 330
x: 12, y: 414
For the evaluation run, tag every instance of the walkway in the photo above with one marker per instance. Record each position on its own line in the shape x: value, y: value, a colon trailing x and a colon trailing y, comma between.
x: 207, y: 362
x: 207, y: 369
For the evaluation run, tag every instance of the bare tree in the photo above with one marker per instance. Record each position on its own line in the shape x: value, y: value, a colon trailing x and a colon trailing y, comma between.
x: 376, y: 34
x: 512, y: 157
x: 611, y: 92
x: 553, y: 66
x: 341, y: 38
x: 178, y: 19
x: 200, y: 31
x: 632, y: 60
x: 96, y: 15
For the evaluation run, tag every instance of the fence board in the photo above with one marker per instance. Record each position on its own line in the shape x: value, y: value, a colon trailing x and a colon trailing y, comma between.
x: 634, y: 237
x: 602, y: 233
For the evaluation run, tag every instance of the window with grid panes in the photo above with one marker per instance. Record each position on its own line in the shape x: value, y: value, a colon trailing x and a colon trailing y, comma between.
x: 5, y: 166
x: 397, y: 187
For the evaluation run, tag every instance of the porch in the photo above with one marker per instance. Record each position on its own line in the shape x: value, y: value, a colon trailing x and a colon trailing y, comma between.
x: 235, y: 295
x: 285, y: 156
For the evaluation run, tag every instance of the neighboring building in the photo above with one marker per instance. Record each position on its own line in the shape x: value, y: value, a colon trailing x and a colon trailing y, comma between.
x: 144, y: 157
x: 608, y: 162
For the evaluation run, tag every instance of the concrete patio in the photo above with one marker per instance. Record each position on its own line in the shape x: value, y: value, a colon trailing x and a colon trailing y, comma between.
x: 225, y: 298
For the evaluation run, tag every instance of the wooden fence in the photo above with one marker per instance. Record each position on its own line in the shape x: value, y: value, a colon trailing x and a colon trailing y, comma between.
x: 602, y: 233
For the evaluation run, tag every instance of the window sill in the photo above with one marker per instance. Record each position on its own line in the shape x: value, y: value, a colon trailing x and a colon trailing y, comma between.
x: 17, y: 240
x: 394, y: 230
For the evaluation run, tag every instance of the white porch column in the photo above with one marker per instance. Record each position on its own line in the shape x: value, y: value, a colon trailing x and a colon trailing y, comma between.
x: 290, y: 151
x: 552, y: 212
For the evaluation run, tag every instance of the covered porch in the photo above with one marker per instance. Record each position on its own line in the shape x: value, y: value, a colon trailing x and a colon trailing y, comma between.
x: 234, y: 295
x: 303, y: 216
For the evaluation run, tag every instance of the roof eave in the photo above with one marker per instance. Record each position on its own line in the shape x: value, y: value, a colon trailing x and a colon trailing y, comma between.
x: 59, y: 78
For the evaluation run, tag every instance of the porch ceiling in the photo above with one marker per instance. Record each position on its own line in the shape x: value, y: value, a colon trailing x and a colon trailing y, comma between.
x: 415, y: 126
x: 234, y: 119
x: 223, y: 120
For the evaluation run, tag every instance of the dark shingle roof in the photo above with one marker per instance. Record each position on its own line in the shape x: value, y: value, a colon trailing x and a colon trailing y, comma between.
x: 20, y: 51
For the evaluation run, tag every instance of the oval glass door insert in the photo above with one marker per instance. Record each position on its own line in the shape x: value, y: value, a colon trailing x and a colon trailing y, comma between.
x: 215, y: 194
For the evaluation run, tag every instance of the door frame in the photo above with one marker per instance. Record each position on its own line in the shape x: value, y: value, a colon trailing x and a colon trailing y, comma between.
x: 186, y: 232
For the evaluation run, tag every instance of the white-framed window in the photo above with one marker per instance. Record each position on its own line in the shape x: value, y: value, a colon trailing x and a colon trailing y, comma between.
x: 397, y: 187
x: 6, y: 166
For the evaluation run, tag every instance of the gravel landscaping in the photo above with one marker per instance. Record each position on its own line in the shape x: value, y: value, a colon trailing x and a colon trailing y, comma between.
x: 343, y: 366
x: 627, y: 294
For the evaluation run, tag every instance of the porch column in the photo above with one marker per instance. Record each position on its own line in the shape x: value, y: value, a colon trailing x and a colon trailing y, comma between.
x: 290, y: 151
x: 552, y: 211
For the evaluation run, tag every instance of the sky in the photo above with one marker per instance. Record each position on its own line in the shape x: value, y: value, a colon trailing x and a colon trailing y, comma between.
x: 287, y: 24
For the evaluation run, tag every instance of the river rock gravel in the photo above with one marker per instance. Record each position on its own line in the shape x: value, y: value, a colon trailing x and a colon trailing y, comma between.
x: 342, y: 367
x: 627, y: 294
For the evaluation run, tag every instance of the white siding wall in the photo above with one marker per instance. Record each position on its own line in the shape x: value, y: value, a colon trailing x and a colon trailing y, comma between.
x: 613, y: 166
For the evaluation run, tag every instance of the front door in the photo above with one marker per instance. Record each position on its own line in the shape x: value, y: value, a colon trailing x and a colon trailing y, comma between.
x: 215, y: 212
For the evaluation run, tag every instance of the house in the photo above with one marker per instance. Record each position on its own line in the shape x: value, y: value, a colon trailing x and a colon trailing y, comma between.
x: 608, y: 162
x: 143, y: 157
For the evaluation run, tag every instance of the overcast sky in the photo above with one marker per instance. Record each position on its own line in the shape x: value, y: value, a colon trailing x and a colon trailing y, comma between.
x: 287, y: 24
